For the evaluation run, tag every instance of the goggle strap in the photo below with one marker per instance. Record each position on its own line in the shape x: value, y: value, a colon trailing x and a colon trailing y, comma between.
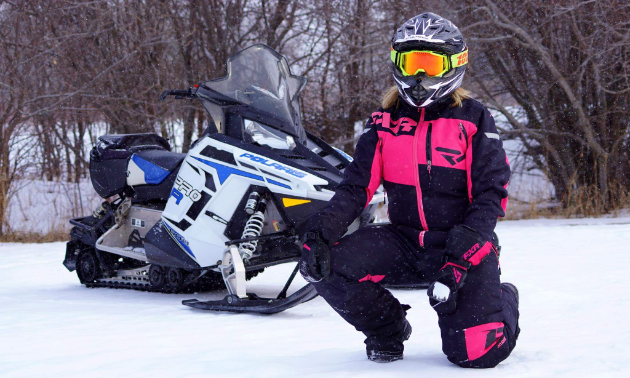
x: 458, y: 60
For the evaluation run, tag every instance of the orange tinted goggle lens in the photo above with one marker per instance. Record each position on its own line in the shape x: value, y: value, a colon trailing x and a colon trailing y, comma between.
x: 429, y: 63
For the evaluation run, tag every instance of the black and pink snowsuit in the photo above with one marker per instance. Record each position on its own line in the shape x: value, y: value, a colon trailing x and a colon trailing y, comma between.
x: 441, y: 166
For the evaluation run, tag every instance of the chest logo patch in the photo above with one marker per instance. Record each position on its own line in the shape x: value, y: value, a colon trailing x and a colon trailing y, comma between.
x: 452, y: 156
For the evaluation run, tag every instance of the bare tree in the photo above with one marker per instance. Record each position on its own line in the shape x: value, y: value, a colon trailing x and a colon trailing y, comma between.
x: 565, y: 64
x: 21, y: 56
x: 71, y: 70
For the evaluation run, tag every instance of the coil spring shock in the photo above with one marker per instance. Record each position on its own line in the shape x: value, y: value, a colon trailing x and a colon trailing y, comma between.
x: 253, y: 228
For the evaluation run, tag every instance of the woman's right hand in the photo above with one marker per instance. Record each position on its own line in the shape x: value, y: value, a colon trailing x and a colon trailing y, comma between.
x: 315, y: 261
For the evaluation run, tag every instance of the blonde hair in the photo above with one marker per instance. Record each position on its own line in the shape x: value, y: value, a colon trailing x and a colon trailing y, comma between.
x: 390, y: 98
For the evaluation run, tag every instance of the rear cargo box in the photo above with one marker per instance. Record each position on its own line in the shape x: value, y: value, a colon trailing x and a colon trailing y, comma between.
x: 110, y: 157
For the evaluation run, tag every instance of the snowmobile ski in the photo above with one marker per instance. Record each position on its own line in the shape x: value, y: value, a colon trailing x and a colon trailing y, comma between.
x: 240, y: 302
x: 254, y: 304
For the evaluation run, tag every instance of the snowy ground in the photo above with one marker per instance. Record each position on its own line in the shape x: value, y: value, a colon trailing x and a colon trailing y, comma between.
x: 575, y: 306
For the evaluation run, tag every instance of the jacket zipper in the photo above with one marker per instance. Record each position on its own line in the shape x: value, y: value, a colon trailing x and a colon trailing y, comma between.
x: 429, y: 150
x: 416, y: 171
x: 463, y: 130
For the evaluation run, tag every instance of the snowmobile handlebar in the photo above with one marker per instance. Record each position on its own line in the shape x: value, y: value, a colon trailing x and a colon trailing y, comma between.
x: 178, y: 93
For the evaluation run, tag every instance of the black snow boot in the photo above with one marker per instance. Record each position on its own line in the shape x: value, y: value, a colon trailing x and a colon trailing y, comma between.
x: 510, y: 288
x: 387, y: 349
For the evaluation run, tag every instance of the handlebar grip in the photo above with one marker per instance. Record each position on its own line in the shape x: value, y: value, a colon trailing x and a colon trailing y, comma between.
x: 178, y: 93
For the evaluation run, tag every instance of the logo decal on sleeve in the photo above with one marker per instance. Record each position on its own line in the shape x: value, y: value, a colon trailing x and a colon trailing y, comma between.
x: 493, y: 136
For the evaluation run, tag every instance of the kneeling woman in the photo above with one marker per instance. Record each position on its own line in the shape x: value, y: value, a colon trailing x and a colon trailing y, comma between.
x: 443, y: 166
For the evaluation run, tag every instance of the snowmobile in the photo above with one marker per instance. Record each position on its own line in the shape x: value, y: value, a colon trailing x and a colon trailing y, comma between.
x: 224, y: 211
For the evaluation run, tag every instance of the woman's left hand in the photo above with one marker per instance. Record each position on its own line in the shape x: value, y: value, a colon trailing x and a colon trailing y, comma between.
x: 465, y: 248
x: 315, y: 261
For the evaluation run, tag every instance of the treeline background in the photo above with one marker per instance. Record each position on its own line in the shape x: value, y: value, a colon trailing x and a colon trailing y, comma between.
x: 557, y: 72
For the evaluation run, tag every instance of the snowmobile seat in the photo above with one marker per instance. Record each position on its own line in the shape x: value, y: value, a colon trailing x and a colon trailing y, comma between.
x: 159, y: 170
x: 110, y: 157
x: 164, y: 159
x: 156, y: 192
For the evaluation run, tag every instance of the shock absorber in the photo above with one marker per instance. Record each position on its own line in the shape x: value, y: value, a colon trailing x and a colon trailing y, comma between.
x: 253, y: 229
x: 252, y: 203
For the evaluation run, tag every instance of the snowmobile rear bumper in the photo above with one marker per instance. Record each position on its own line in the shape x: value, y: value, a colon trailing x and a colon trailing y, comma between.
x: 253, y: 304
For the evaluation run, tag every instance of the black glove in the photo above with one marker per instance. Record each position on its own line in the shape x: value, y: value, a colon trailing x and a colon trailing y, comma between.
x: 465, y: 248
x: 443, y: 292
x: 315, y: 261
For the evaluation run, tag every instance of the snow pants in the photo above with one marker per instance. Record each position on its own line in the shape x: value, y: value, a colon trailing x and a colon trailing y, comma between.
x: 479, y: 334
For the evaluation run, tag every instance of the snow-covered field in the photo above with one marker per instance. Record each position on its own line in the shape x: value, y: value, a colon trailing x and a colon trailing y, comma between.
x: 575, y: 312
x: 45, y: 206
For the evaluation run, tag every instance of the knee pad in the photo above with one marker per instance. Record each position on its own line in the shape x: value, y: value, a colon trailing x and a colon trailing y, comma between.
x: 482, y: 346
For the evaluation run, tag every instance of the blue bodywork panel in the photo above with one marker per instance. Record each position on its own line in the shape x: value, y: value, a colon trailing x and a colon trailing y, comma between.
x: 223, y: 171
x: 152, y: 173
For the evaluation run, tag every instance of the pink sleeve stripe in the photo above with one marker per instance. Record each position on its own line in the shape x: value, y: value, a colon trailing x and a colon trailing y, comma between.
x: 504, y: 201
x: 375, y: 173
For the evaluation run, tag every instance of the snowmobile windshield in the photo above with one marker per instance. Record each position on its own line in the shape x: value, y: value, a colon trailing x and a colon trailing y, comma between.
x: 260, y: 78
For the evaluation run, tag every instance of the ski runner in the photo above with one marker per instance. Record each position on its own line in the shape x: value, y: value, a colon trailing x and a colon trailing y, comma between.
x: 442, y: 163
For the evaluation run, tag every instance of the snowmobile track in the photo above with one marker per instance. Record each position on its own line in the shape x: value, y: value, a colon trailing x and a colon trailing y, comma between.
x: 199, y: 285
x: 145, y: 287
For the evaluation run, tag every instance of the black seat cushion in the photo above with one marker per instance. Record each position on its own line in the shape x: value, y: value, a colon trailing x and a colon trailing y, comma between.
x: 170, y: 161
x: 163, y: 159
x: 157, y: 192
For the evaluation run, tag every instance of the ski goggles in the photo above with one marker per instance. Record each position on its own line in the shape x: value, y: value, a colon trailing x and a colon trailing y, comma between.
x: 433, y: 64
